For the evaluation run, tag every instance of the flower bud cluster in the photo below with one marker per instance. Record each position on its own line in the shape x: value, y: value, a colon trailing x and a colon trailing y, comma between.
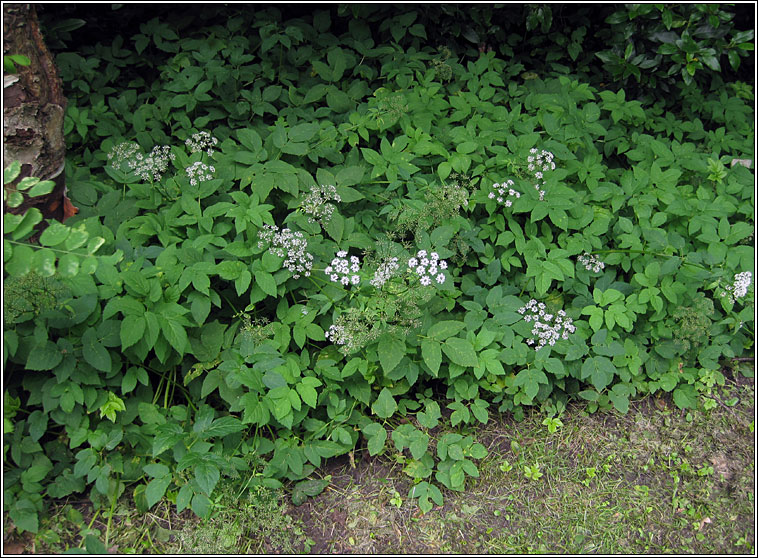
x: 316, y: 204
x: 502, y: 193
x: 201, y: 141
x: 428, y: 268
x: 342, y: 271
x: 739, y: 288
x: 540, y: 163
x: 199, y: 172
x: 290, y: 245
x: 384, y: 272
x: 548, y: 328
x: 590, y: 262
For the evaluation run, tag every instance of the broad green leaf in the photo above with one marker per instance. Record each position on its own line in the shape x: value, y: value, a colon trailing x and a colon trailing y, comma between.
x: 391, y: 351
x: 132, y: 330
x: 155, y: 490
x: 266, y: 282
x: 94, y: 352
x: 460, y: 351
x: 445, y: 328
x: 432, y: 354
x: 385, y: 405
x: 206, y: 475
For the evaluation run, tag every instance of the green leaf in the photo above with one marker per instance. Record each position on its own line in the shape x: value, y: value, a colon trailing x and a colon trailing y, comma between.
x: 377, y: 437
x: 385, y: 405
x: 266, y: 282
x: 201, y: 505
x: 42, y: 188
x: 132, y: 330
x: 445, y: 328
x: 431, y: 352
x: 54, y: 234
x: 206, y: 475
x: 685, y: 397
x: 460, y: 351
x: 44, y: 357
x: 222, y: 426
x: 155, y: 490
x: 530, y: 378
x: 600, y: 370
x: 94, y: 352
x: 391, y: 351
x: 306, y: 488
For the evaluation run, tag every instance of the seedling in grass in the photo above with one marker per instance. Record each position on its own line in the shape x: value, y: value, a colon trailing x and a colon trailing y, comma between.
x: 532, y: 471
x: 396, y: 500
x: 505, y: 466
x: 552, y: 423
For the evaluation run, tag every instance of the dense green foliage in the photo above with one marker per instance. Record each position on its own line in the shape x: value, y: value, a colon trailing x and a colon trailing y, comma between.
x: 192, y: 321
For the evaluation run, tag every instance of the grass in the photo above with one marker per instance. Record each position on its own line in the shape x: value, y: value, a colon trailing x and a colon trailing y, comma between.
x: 656, y: 480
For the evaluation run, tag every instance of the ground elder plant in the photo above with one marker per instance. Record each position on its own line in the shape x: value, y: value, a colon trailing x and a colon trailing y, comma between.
x: 294, y: 245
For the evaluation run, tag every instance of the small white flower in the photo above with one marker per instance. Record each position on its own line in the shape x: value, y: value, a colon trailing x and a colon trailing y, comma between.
x: 421, y: 254
x: 425, y: 280
x: 440, y: 278
x: 413, y: 262
x: 341, y: 271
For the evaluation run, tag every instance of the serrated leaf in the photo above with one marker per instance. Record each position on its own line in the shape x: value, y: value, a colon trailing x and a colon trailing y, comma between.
x: 206, y: 475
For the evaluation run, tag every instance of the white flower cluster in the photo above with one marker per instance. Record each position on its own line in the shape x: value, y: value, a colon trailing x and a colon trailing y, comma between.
x: 502, y: 193
x: 548, y: 328
x: 347, y: 270
x: 590, y: 262
x: 740, y: 286
x: 338, y: 335
x: 151, y: 167
x: 384, y: 272
x: 290, y: 245
x: 199, y: 172
x: 316, y: 204
x: 124, y: 151
x: 428, y: 267
x: 201, y: 141
x: 540, y: 163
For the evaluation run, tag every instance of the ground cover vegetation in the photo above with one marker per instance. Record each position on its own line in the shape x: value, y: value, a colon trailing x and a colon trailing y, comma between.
x: 343, y: 234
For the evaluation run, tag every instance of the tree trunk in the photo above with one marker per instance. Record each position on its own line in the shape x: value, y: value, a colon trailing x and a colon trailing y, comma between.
x: 34, y: 107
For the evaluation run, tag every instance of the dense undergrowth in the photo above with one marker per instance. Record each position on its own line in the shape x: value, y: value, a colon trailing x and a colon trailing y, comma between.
x: 300, y: 236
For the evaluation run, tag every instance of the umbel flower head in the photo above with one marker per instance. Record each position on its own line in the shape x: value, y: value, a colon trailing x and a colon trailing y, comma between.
x: 548, y: 328
x: 503, y: 192
x: 590, y: 262
x: 151, y: 167
x: 201, y: 141
x: 290, y: 245
x: 739, y: 287
x: 342, y: 271
x: 199, y: 172
x: 428, y: 267
x: 384, y: 272
x: 317, y: 203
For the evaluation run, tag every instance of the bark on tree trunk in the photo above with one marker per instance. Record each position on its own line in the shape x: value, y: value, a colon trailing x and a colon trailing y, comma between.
x: 34, y: 107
